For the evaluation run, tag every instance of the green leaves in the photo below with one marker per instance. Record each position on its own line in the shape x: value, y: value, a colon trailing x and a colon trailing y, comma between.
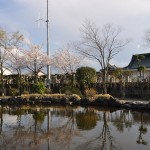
x: 141, y: 68
x: 39, y: 88
x: 86, y: 75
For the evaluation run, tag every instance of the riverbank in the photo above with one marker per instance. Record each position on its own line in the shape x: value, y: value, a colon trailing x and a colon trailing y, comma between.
x: 62, y: 99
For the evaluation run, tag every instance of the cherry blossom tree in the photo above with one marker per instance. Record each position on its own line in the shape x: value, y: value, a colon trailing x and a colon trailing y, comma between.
x: 8, y: 41
x: 65, y: 61
x: 17, y: 62
x: 36, y: 60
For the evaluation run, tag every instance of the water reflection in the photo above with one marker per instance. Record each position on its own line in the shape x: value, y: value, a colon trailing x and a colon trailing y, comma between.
x: 142, y: 131
x: 73, y: 128
x: 86, y: 120
x: 122, y: 119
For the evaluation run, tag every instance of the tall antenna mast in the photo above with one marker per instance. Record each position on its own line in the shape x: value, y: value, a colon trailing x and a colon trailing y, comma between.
x: 48, y: 47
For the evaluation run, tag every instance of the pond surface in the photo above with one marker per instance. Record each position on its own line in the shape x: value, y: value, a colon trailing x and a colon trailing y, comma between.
x: 73, y: 128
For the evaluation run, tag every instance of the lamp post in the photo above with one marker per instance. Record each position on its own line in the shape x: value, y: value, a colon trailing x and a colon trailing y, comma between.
x: 48, y: 48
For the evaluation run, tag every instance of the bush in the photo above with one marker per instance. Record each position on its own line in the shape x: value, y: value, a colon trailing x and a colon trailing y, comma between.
x: 26, y: 92
x: 14, y: 92
x: 85, y: 76
x: 102, y: 96
x: 74, y: 97
x: 90, y: 94
x: 48, y: 91
x: 40, y: 96
x: 68, y: 90
x: 38, y: 88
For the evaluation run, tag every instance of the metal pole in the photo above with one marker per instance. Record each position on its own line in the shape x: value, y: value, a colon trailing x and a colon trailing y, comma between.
x: 48, y: 48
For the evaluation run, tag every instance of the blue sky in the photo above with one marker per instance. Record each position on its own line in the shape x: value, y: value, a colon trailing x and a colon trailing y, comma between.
x: 66, y: 17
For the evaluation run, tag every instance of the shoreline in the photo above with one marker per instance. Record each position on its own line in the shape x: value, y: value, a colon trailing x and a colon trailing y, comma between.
x: 109, y: 103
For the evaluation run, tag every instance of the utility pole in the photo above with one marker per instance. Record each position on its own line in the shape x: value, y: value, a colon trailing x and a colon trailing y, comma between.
x: 48, y: 48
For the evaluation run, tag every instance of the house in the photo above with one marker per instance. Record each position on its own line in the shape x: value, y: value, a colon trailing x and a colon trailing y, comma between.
x: 137, y: 61
x: 6, y: 71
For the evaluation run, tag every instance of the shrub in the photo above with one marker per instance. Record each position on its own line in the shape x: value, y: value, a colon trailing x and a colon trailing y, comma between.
x: 40, y: 96
x: 85, y: 76
x: 14, y: 92
x: 74, y: 97
x: 26, y: 92
x: 38, y: 88
x: 48, y: 91
x: 90, y: 94
x: 68, y: 90
x: 102, y: 96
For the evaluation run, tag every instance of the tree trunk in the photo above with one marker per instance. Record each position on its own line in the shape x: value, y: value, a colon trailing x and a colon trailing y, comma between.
x: 19, y: 81
x: 72, y: 80
x: 35, y: 77
x: 1, y: 122
x: 104, y: 82
x: 123, y: 90
x: 19, y: 85
x: 3, y: 93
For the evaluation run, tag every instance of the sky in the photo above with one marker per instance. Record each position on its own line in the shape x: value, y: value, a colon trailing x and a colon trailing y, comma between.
x: 67, y: 16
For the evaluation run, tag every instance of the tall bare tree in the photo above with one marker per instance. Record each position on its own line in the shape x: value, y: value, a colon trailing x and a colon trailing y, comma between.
x: 101, y: 45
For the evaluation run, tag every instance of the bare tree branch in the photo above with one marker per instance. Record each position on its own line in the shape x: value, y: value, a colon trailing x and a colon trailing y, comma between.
x: 100, y: 45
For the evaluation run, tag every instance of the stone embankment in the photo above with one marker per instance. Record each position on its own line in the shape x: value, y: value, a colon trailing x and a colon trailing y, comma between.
x: 111, y: 102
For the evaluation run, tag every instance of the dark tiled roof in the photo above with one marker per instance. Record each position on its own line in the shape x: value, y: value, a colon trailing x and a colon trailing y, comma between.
x: 112, y: 67
x: 134, y: 62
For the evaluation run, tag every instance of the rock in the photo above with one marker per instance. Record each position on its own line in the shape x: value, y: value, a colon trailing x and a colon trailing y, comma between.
x: 127, y: 105
x: 84, y: 101
x: 137, y: 102
x: 148, y: 106
x: 121, y: 102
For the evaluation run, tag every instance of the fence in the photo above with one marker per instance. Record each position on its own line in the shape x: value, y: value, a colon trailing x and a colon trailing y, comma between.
x: 127, y: 90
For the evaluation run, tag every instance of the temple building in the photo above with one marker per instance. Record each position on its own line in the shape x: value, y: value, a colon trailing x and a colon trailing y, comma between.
x: 139, y: 61
x: 137, y: 70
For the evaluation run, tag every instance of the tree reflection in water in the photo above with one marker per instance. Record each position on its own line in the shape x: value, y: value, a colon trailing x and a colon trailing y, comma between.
x: 65, y: 133
x: 142, y: 130
x: 86, y: 120
x: 122, y: 119
x: 33, y: 134
x: 1, y: 120
x: 105, y: 140
x: 61, y: 127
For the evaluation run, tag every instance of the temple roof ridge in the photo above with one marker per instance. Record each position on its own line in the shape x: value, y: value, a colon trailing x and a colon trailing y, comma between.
x: 134, y: 62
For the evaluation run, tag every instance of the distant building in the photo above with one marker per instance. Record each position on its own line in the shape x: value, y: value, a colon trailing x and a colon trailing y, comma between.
x: 110, y: 77
x: 129, y: 73
x: 134, y: 65
x: 6, y: 71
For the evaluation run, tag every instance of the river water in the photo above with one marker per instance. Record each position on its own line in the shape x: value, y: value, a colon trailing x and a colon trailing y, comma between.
x: 73, y: 128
